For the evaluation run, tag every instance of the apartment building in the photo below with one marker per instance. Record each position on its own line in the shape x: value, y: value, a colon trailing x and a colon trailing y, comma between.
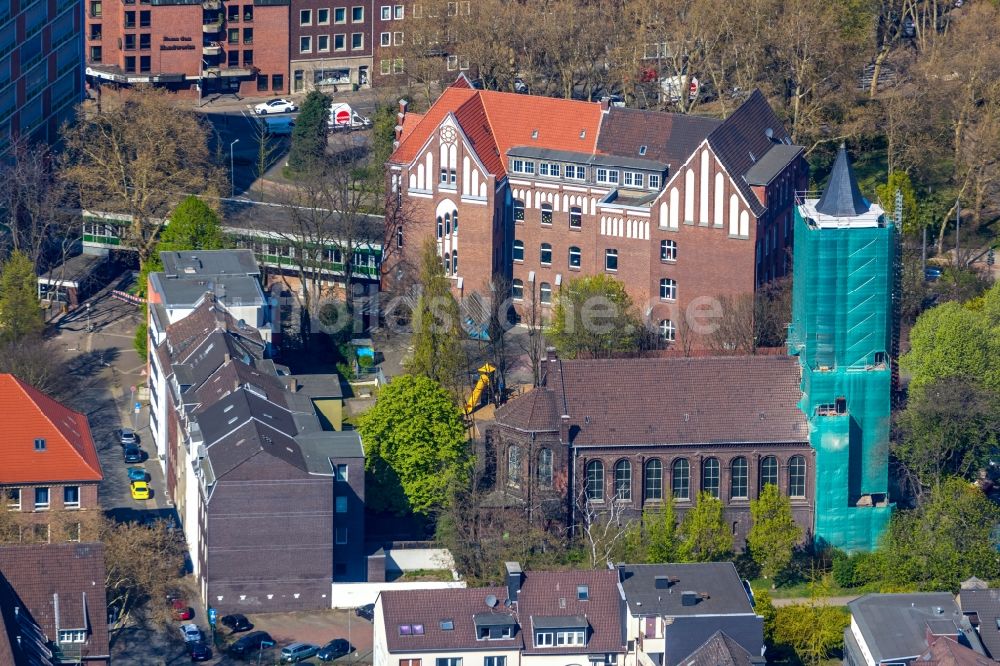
x: 679, y: 208
x: 330, y: 45
x: 195, y: 48
x: 41, y: 67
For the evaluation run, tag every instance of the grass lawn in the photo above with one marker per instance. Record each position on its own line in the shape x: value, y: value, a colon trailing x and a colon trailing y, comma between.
x: 801, y: 588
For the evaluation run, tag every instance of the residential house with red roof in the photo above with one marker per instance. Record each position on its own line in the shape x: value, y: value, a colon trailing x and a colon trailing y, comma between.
x: 48, y: 462
x: 537, y: 619
x: 630, y: 433
x: 52, y: 605
x: 677, y: 207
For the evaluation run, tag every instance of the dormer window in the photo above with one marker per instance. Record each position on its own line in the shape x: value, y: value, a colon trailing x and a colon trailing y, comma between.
x: 494, y: 626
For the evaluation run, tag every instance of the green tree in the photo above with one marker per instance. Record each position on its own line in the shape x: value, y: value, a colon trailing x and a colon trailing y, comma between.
x: 814, y: 630
x: 415, y: 450
x: 594, y: 316
x: 193, y: 226
x: 661, y: 532
x: 309, y: 134
x: 947, y: 539
x: 951, y: 340
x: 899, y: 181
x: 774, y: 532
x: 704, y: 535
x: 383, y: 136
x: 437, y: 331
x: 949, y: 428
x: 20, y: 314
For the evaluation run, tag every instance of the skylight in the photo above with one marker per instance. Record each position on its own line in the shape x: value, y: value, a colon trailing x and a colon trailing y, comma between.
x: 642, y: 150
x: 582, y: 592
x: 447, y: 625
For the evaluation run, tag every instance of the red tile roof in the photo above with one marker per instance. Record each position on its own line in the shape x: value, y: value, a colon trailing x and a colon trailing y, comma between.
x: 495, y: 122
x: 69, y: 455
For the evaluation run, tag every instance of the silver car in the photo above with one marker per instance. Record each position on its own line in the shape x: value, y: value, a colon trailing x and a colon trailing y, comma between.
x: 297, y: 652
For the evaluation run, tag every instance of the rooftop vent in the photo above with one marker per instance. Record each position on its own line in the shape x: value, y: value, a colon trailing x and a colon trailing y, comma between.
x: 534, y: 134
x: 583, y: 134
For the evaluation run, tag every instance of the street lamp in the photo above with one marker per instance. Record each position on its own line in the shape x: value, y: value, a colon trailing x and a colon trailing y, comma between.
x: 232, y: 172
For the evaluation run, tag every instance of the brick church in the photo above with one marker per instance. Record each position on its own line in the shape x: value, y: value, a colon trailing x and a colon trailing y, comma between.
x: 540, y: 190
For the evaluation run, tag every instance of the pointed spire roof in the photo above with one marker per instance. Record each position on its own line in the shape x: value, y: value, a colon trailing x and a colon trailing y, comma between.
x: 842, y: 197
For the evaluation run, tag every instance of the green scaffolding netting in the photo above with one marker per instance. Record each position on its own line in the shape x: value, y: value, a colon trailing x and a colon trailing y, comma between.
x: 842, y: 332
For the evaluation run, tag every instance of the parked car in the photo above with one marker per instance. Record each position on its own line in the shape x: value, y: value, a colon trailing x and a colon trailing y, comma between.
x: 279, y: 105
x: 251, y: 643
x: 199, y: 651
x: 181, y: 610
x: 296, y: 652
x: 190, y: 632
x: 932, y: 273
x: 132, y: 453
x: 136, y: 474
x: 140, y: 490
x: 338, y: 647
x: 127, y: 436
x: 236, y: 622
x: 367, y: 611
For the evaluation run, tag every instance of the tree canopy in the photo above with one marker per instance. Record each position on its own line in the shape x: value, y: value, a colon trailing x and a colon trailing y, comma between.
x: 661, y: 533
x: 139, y: 156
x: 704, y: 535
x: 309, y: 134
x: 437, y: 328
x: 20, y: 314
x: 415, y: 446
x: 774, y: 532
x: 594, y: 317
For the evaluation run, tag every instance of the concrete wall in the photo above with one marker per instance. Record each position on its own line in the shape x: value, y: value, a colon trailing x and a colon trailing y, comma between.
x: 413, y: 559
x: 352, y: 595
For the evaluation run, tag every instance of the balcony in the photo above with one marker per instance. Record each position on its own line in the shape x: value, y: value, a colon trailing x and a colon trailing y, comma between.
x: 211, y: 5
x: 213, y: 49
x: 238, y: 71
x: 213, y: 27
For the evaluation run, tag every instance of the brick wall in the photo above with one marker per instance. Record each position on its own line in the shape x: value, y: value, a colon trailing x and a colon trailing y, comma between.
x: 270, y: 52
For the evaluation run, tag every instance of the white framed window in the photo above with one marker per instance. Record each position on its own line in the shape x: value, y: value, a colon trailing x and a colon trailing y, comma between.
x: 523, y: 166
x: 544, y: 639
x: 340, y: 44
x: 323, y: 43
x: 397, y: 38
x: 574, y: 257
x: 357, y: 41
x: 611, y: 260
x: 305, y: 17
x: 384, y: 65
x: 668, y: 289
x: 547, y: 214
x: 357, y: 14
x: 386, y: 11
x: 602, y: 175
x: 41, y: 499
x: 575, y: 218
x: 72, y: 636
x: 668, y: 332
x: 13, y: 499
x: 654, y: 181
x: 452, y: 63
x: 545, y: 293
x: 495, y: 661
x: 385, y: 39
x: 517, y: 290
x: 399, y: 12
x: 397, y: 66
x: 340, y: 536
x: 573, y: 637
x: 518, y: 253
x: 545, y: 255
x: 543, y: 168
x: 448, y: 661
x: 340, y: 503
x: 418, y: 11
x: 633, y: 179
x: 629, y: 178
x: 341, y: 472
x: 305, y: 44
x: 71, y: 497
x: 613, y: 176
x: 668, y: 250
x: 323, y: 16
x: 340, y: 14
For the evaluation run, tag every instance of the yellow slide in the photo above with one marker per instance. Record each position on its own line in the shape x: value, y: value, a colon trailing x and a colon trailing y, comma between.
x: 485, y: 372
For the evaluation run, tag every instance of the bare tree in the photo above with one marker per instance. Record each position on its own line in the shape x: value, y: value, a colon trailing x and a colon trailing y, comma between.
x: 604, y: 528
x: 139, y: 157
x: 534, y: 343
x: 267, y: 150
x: 34, y: 202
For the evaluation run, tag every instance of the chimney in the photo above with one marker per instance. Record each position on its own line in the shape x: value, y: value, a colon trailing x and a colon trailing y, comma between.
x: 399, y: 119
x: 514, y: 579
x: 293, y: 385
x: 605, y: 103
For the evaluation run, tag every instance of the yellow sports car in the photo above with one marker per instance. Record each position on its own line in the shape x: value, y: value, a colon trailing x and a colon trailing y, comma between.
x: 140, y: 490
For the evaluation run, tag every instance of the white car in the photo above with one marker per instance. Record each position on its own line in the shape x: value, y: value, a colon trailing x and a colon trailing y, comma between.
x: 190, y: 632
x: 279, y: 105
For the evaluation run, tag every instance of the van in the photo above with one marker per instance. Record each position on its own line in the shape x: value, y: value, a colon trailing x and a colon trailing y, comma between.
x: 343, y: 117
x: 277, y: 125
x: 296, y: 652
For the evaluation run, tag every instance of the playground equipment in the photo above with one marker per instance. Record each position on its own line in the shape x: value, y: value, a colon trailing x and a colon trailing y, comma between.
x: 485, y: 376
